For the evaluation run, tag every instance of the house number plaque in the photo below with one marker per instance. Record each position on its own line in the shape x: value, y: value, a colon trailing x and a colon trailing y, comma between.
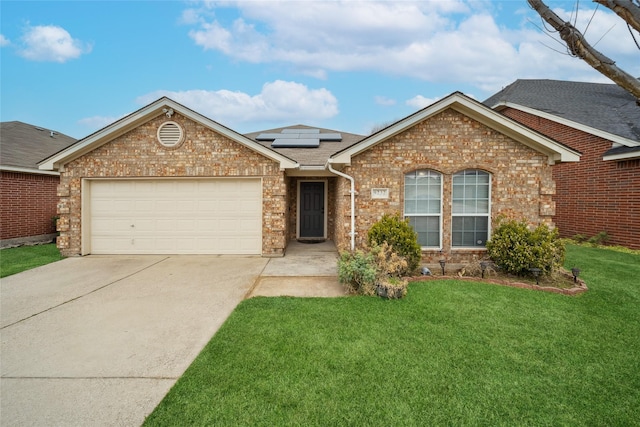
x: 379, y: 193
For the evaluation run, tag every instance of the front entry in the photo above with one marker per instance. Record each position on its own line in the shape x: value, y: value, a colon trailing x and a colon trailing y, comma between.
x: 311, y: 213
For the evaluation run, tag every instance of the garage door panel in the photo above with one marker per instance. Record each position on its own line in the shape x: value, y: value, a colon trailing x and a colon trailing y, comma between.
x: 212, y: 216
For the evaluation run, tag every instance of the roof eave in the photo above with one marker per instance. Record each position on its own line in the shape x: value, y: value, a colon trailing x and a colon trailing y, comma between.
x: 570, y: 123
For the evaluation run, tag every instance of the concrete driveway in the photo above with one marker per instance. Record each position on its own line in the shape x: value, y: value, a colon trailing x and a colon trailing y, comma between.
x: 99, y: 340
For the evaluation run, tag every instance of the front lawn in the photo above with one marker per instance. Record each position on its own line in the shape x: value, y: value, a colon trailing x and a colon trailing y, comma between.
x: 450, y: 353
x: 15, y: 260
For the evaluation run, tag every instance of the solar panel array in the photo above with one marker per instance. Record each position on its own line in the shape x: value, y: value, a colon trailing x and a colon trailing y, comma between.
x: 299, y: 138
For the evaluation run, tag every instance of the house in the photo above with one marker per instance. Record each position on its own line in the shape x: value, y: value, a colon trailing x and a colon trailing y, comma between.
x: 166, y: 179
x: 601, y: 121
x: 28, y: 195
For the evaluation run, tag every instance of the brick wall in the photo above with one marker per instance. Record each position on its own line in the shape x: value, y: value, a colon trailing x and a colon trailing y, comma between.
x: 521, y: 179
x: 204, y: 153
x: 592, y: 195
x: 27, y: 204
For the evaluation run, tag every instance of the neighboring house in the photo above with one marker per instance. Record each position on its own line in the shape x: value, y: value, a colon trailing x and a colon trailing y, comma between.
x: 166, y: 179
x: 28, y: 195
x: 601, y: 121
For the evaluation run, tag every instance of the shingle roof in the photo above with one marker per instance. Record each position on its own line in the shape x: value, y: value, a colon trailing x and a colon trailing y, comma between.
x: 310, y: 156
x: 23, y: 145
x: 605, y: 107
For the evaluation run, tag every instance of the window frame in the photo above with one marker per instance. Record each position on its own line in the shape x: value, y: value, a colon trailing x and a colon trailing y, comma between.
x: 439, y: 215
x: 486, y: 215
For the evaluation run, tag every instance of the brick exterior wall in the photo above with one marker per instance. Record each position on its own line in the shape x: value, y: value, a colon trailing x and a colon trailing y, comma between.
x: 27, y: 204
x: 593, y: 195
x: 204, y: 153
x: 521, y: 179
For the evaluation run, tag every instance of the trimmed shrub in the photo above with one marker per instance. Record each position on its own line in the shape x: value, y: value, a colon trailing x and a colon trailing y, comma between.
x: 516, y: 249
x: 399, y: 234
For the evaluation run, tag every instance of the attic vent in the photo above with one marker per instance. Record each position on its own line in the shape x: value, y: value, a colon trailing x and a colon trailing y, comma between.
x: 170, y: 134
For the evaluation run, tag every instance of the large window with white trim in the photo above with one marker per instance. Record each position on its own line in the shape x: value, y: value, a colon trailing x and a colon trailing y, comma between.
x: 423, y: 206
x: 470, y: 209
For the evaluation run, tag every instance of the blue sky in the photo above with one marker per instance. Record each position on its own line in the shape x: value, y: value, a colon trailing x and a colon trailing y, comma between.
x: 76, y: 66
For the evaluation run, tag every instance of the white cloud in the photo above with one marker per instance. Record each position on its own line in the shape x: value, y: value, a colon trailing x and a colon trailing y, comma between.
x: 51, y: 43
x: 437, y: 41
x: 4, y: 41
x: 383, y: 100
x: 278, y: 101
x: 420, y: 101
x: 97, y: 122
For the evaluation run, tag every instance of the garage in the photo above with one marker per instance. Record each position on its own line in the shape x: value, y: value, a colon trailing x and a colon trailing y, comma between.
x: 173, y: 216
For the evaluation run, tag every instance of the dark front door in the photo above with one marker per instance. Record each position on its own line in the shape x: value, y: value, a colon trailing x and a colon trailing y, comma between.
x: 312, y: 209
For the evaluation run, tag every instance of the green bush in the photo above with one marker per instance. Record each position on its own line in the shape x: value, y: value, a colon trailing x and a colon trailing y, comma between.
x: 599, y: 239
x: 357, y: 272
x: 516, y: 249
x: 400, y: 236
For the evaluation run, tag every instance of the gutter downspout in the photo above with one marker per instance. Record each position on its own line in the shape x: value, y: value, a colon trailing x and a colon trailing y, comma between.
x: 353, y: 202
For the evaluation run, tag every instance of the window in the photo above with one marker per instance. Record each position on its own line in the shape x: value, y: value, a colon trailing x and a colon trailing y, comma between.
x: 423, y: 205
x: 470, y: 209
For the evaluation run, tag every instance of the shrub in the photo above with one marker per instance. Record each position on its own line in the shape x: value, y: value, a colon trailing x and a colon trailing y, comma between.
x: 599, y: 239
x: 516, y: 249
x: 370, y: 273
x: 400, y: 236
x: 357, y: 272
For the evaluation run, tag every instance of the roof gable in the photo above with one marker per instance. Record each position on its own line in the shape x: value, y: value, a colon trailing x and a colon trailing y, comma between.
x: 604, y: 110
x: 475, y: 110
x: 143, y: 115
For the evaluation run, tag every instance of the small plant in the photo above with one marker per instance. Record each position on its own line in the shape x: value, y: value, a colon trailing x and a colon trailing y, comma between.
x: 599, y: 239
x: 357, y: 272
x: 377, y: 271
x: 516, y: 249
x: 580, y: 238
x: 399, y: 234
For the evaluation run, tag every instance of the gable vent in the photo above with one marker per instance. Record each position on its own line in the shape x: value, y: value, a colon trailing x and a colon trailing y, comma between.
x: 170, y: 134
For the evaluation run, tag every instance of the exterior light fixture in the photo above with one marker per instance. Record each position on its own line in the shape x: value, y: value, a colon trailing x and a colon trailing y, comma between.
x: 483, y: 266
x: 442, y: 264
x: 576, y: 272
x: 536, y: 272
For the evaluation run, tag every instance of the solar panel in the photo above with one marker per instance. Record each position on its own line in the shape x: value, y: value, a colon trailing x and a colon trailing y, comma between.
x: 330, y: 137
x: 296, y: 143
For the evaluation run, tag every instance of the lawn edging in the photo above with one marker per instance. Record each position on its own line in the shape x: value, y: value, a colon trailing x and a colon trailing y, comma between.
x: 579, y: 287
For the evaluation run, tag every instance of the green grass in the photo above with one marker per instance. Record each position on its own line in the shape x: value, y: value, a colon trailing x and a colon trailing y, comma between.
x: 15, y: 260
x: 450, y: 353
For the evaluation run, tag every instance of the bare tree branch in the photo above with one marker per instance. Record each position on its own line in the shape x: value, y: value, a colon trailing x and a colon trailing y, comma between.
x: 579, y: 47
x: 625, y: 9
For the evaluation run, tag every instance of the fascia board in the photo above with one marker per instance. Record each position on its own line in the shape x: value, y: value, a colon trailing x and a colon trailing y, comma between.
x: 143, y: 115
x: 623, y: 156
x: 575, y: 125
x: 28, y: 170
x: 519, y: 132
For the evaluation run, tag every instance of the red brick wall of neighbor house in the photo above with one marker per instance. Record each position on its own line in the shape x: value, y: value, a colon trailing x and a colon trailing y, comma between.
x: 592, y: 195
x: 521, y: 179
x: 204, y: 153
x: 27, y: 204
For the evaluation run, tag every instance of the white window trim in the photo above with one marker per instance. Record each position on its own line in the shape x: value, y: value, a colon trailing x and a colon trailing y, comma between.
x: 487, y: 215
x: 440, y: 215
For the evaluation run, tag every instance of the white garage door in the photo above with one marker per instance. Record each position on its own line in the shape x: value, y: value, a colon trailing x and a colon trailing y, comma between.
x: 188, y: 216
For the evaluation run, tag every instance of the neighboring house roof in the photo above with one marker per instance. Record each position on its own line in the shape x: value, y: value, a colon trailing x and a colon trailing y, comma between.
x: 605, y: 110
x: 23, y: 145
x: 161, y: 106
x: 475, y: 110
x: 310, y: 156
